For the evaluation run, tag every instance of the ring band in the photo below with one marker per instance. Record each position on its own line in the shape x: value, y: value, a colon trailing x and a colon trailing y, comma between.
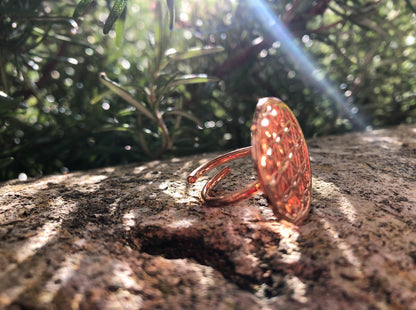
x: 229, y: 199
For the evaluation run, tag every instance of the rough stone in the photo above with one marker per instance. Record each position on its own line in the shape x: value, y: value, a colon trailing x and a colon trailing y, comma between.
x: 137, y: 236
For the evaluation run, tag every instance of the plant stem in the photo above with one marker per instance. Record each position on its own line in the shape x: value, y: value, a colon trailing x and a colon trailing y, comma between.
x: 167, y: 142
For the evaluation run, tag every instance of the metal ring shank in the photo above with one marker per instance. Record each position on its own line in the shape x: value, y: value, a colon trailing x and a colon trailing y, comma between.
x: 223, y: 200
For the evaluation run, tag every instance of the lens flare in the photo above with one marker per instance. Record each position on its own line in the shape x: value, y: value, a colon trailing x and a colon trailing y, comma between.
x: 304, y: 62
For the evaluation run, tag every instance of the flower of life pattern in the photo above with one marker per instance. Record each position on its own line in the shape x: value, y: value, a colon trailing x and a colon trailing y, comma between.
x: 281, y: 158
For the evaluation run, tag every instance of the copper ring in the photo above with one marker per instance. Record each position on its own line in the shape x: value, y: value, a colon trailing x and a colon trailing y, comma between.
x: 279, y: 151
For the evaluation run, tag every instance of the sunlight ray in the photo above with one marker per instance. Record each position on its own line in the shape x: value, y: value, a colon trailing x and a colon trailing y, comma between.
x: 304, y: 62
x: 345, y: 248
x: 331, y: 192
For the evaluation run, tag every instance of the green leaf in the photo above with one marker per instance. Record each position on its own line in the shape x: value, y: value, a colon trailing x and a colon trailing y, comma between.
x: 115, y: 13
x: 81, y: 7
x: 9, y: 104
x: 107, y: 128
x: 100, y: 97
x: 194, y: 52
x: 192, y: 79
x: 40, y: 32
x: 184, y: 114
x: 126, y: 112
x: 68, y: 60
x: 5, y: 98
x: 171, y: 8
x: 114, y: 87
x: 119, y: 32
x: 161, y: 41
x: 164, y: 79
x: 53, y: 20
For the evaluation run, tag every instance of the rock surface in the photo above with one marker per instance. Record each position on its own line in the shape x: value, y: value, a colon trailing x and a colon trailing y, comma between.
x: 137, y: 237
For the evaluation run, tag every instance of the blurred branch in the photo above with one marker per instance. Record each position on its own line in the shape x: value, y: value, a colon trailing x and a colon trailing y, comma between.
x: 411, y: 6
x: 290, y: 18
x: 327, y: 27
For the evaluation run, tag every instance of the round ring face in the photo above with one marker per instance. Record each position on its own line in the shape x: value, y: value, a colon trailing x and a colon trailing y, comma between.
x: 281, y: 158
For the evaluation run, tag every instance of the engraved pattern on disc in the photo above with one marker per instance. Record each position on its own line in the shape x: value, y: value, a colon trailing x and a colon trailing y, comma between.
x: 282, y: 161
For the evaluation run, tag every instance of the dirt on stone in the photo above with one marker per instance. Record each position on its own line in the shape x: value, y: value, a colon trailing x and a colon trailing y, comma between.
x: 138, y: 236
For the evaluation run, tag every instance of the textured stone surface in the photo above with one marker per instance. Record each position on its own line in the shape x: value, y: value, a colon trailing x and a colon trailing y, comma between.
x: 137, y: 236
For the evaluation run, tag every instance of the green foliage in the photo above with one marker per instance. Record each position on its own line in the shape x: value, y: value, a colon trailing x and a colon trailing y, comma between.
x: 163, y: 84
x: 31, y: 46
x: 81, y: 8
x: 115, y: 13
x: 359, y: 46
x: 55, y: 115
